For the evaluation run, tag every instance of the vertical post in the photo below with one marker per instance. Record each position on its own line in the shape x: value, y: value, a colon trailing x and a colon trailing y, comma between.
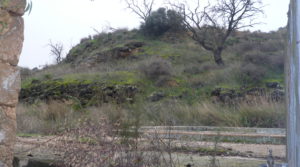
x: 11, y: 41
x: 293, y: 86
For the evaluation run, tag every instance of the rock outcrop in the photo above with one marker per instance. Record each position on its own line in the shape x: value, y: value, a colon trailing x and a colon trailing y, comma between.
x: 11, y: 41
x: 87, y: 93
x: 96, y: 55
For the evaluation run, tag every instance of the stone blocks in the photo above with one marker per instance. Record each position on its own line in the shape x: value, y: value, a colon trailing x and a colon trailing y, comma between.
x: 11, y: 43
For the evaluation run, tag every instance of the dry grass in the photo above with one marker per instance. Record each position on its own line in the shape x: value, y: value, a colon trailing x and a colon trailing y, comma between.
x: 258, y: 113
x: 43, y: 118
x: 54, y: 116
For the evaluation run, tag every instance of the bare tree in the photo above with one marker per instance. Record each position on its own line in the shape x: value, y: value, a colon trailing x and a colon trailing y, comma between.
x: 212, y: 25
x: 142, y: 8
x: 56, y: 50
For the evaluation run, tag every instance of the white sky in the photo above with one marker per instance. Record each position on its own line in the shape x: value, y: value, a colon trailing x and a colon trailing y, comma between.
x: 67, y: 21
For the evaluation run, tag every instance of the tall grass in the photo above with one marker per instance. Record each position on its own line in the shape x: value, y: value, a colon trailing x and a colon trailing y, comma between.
x: 46, y: 118
x: 258, y: 113
x: 53, y: 117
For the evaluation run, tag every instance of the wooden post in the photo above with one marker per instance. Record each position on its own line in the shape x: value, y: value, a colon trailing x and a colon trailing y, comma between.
x: 293, y: 85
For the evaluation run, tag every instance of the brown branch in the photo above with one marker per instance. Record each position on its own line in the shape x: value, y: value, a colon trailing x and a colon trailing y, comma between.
x: 212, y: 25
x: 142, y: 10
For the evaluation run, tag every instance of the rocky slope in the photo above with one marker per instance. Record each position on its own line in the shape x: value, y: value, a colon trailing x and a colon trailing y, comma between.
x: 172, y: 66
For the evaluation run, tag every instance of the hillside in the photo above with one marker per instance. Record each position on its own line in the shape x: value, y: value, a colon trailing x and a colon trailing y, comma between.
x: 170, y: 78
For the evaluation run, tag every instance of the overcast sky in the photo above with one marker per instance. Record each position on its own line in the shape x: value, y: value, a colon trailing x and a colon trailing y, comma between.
x: 67, y: 21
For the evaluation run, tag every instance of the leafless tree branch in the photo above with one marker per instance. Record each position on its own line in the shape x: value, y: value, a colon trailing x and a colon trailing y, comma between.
x: 141, y: 8
x: 56, y: 50
x: 212, y: 24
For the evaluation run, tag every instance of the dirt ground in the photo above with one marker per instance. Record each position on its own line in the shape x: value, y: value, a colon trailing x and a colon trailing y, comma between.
x: 37, y: 147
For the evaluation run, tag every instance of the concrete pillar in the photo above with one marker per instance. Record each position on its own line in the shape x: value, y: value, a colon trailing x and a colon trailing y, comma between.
x: 293, y: 86
x: 11, y: 41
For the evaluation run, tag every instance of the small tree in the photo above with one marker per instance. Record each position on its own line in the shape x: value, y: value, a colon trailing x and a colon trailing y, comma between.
x: 212, y: 25
x: 175, y: 20
x: 56, y: 50
x: 161, y: 21
x: 156, y: 23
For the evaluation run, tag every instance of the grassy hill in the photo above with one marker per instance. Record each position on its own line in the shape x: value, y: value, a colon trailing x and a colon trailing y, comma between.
x: 166, y: 80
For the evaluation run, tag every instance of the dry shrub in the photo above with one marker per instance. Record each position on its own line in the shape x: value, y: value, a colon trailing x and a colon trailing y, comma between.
x: 251, y: 73
x: 274, y: 60
x: 55, y: 110
x: 258, y: 58
x: 272, y: 45
x: 245, y: 46
x: 277, y: 61
x: 158, y: 70
x: 221, y: 75
x: 100, y: 144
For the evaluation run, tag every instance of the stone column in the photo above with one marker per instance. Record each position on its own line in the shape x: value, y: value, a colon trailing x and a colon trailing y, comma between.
x: 11, y: 41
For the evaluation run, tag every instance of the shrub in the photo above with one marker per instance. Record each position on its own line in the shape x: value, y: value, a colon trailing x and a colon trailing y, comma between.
x: 161, y: 21
x: 251, y: 74
x: 272, y: 45
x: 257, y: 58
x: 175, y: 20
x: 157, y: 69
x: 277, y: 61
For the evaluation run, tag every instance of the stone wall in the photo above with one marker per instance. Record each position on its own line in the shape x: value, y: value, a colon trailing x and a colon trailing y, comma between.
x: 11, y: 41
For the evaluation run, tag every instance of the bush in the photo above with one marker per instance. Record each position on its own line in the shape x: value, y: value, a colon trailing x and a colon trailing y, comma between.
x: 272, y: 45
x: 257, y: 58
x: 175, y: 21
x: 273, y: 60
x: 277, y: 61
x: 161, y: 21
x: 157, y: 69
x: 251, y: 74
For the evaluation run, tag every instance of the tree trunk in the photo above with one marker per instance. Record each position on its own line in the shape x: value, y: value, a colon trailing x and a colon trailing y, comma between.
x: 218, y: 57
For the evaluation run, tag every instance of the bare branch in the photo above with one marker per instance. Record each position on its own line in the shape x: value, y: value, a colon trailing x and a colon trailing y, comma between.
x: 56, y: 50
x: 212, y: 24
x: 142, y: 9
